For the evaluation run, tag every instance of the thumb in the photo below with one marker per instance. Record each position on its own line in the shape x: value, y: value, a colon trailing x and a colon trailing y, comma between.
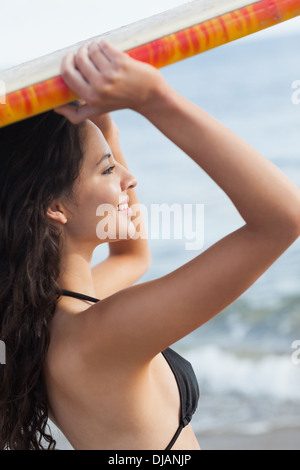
x: 75, y: 114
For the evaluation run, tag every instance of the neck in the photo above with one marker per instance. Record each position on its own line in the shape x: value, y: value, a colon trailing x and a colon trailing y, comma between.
x: 76, y: 272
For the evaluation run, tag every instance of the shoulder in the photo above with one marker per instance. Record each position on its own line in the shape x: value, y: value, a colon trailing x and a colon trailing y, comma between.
x: 80, y: 339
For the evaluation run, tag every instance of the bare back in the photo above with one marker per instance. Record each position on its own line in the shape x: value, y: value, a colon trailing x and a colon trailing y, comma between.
x: 110, y: 404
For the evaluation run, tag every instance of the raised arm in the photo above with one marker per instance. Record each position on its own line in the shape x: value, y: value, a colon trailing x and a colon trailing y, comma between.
x: 147, y: 318
x: 265, y: 198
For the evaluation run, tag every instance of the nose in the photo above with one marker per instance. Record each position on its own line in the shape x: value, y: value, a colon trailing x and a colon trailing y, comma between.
x: 128, y: 181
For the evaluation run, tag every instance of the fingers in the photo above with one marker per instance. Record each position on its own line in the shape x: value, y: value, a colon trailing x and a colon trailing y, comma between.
x: 76, y: 115
x: 82, y: 70
x: 88, y: 67
x: 92, y: 73
x: 93, y: 58
x: 110, y: 52
x: 99, y: 59
x: 73, y: 77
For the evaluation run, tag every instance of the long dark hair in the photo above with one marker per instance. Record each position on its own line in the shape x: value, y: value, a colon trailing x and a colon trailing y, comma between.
x: 40, y: 159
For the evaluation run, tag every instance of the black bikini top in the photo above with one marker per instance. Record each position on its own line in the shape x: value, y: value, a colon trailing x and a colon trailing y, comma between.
x: 184, y: 375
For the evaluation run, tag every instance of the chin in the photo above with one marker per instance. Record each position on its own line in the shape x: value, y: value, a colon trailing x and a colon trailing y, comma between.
x: 115, y: 229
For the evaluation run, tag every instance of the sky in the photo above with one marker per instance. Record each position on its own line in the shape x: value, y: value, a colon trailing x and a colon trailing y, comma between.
x: 33, y: 28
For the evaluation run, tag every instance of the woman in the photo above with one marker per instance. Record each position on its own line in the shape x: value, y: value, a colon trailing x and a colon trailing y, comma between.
x: 84, y: 346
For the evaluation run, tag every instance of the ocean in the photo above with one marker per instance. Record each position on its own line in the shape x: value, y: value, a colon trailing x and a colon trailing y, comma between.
x: 246, y: 358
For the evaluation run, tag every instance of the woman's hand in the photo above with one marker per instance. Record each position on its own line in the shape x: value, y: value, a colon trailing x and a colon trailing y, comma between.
x: 107, y: 80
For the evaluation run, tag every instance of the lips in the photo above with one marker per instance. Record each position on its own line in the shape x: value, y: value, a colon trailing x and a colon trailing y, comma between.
x: 124, y: 208
x: 124, y: 204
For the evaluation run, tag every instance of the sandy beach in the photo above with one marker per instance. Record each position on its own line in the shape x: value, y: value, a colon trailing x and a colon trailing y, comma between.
x: 283, y: 439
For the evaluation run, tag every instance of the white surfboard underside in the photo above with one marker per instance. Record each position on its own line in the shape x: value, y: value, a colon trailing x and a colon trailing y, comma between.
x: 124, y: 38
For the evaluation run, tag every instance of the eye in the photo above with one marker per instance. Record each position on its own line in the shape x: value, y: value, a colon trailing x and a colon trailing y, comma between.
x: 109, y: 170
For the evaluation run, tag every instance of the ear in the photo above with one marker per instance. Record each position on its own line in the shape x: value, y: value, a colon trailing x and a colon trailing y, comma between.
x: 56, y: 212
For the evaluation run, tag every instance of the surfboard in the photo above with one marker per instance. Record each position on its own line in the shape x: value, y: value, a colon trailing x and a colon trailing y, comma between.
x: 190, y: 29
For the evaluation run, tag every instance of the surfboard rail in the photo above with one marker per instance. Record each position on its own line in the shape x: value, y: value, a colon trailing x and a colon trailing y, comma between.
x: 190, y: 29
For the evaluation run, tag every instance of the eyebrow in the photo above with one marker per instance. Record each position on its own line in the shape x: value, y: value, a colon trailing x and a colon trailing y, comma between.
x: 107, y: 155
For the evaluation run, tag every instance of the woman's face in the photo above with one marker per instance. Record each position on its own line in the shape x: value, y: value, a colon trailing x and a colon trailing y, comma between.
x: 93, y: 213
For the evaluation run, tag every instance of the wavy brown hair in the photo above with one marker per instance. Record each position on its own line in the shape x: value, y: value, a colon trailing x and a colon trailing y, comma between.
x: 40, y: 159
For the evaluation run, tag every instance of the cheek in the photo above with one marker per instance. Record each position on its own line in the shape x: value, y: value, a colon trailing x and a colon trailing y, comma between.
x: 96, y: 216
x: 96, y: 204
x: 98, y: 192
